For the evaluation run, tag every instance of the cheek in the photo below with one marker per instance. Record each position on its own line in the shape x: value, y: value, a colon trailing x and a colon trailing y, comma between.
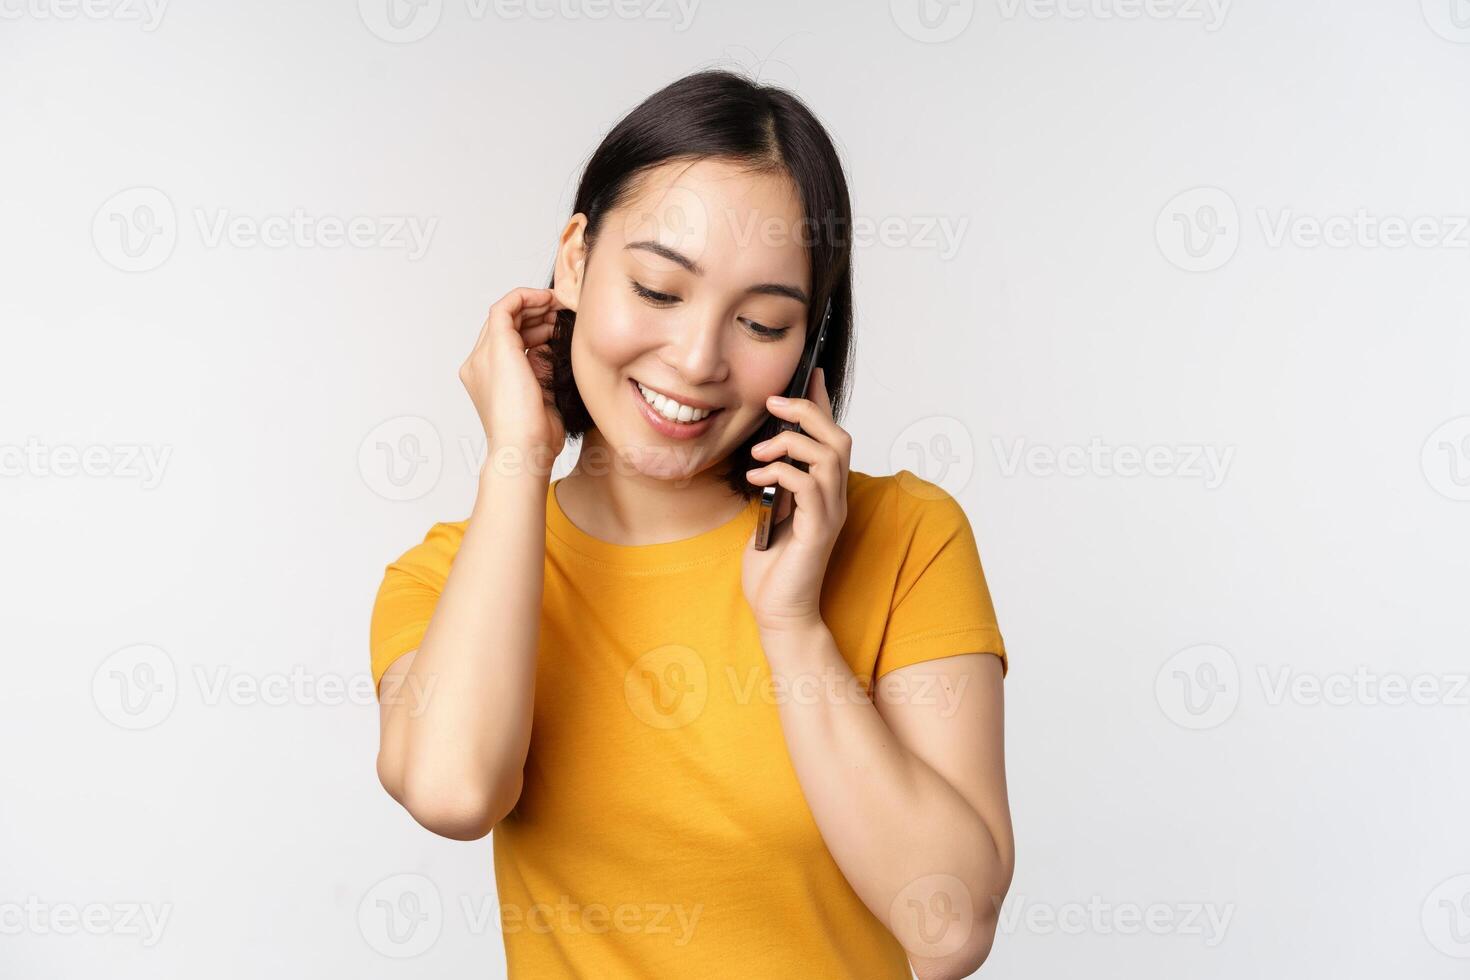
x: 765, y: 373
x: 611, y: 333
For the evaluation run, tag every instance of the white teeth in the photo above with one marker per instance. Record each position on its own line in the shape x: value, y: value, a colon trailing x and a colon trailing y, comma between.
x: 670, y: 409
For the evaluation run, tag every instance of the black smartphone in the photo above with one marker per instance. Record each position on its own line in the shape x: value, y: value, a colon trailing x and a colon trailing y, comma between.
x: 774, y: 497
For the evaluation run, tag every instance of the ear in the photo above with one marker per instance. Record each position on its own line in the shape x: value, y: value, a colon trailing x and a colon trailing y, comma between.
x: 571, y: 262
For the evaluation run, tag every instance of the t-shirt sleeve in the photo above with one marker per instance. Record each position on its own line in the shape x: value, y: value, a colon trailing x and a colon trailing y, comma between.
x: 941, y: 603
x: 406, y: 598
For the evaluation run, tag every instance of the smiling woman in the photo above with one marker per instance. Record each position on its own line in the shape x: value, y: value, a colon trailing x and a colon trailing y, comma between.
x: 795, y: 753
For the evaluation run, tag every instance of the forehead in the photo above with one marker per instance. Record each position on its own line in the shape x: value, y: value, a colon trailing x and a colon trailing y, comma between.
x: 734, y: 223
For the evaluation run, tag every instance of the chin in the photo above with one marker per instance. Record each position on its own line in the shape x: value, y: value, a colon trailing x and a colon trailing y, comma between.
x: 670, y: 463
x: 651, y: 458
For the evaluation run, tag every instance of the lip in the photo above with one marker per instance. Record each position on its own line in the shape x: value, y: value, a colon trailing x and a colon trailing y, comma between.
x: 691, y: 402
x: 672, y: 430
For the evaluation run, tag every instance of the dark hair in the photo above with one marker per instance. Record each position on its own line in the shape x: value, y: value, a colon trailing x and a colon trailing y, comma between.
x: 720, y: 114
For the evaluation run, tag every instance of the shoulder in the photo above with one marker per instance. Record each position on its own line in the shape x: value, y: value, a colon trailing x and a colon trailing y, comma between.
x: 429, y: 560
x: 897, y: 508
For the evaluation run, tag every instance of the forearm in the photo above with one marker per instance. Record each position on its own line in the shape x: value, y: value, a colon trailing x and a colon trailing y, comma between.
x: 467, y: 731
x: 897, y: 829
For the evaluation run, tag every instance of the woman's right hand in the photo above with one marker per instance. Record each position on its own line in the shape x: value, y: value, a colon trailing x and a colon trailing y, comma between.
x: 504, y: 380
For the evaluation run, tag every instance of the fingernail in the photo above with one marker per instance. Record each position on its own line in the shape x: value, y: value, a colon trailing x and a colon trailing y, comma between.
x: 778, y: 400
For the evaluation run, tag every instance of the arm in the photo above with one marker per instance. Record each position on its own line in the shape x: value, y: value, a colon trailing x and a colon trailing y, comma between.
x: 455, y: 715
x: 909, y: 793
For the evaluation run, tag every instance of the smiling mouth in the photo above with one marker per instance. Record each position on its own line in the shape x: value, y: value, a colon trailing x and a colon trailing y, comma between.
x: 670, y: 410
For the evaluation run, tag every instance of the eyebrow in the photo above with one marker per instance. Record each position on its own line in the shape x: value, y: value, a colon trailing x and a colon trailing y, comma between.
x: 764, y: 288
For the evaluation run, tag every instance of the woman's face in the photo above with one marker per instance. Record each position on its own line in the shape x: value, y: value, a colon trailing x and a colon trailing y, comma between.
x: 697, y: 289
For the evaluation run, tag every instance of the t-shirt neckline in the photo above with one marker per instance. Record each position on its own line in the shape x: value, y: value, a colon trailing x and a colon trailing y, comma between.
x: 707, y: 546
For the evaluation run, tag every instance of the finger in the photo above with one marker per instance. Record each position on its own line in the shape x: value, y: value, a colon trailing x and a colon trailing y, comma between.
x: 516, y: 330
x: 825, y: 463
x: 805, y: 489
x: 509, y: 309
x: 818, y: 391
x: 535, y: 324
x: 523, y: 297
x: 815, y: 420
x: 799, y: 446
x: 536, y: 336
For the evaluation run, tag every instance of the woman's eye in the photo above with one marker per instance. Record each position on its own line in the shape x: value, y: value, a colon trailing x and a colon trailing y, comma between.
x: 768, y: 333
x: 662, y: 299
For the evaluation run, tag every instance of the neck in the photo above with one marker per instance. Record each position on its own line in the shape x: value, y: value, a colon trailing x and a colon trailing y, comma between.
x: 609, y: 499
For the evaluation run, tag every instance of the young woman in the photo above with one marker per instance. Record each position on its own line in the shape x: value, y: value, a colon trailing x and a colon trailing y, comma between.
x: 700, y: 759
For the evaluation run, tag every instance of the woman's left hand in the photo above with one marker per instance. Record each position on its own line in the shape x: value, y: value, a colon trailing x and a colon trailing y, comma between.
x: 783, y: 584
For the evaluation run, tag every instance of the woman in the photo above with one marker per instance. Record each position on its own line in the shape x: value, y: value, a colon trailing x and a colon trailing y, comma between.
x: 670, y: 732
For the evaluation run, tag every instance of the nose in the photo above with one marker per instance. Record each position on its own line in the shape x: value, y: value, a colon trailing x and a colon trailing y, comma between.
x: 697, y: 350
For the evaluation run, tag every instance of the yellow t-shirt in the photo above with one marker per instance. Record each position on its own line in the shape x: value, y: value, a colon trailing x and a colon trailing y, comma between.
x: 661, y: 830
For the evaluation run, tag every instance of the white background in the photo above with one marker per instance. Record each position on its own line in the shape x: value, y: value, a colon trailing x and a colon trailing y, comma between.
x: 1156, y: 765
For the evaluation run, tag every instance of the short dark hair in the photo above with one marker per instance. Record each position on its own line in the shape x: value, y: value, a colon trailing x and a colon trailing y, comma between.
x: 722, y: 115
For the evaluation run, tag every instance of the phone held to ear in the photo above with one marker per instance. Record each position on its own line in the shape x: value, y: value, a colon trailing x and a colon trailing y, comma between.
x: 774, y: 497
